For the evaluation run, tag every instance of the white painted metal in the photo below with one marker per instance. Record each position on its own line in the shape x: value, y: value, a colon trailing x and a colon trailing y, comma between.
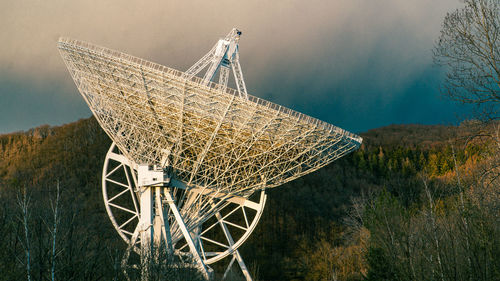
x: 185, y: 232
x: 151, y: 175
x: 210, y: 139
x: 236, y: 254
x: 222, y: 57
x: 211, y: 146
x: 146, y: 217
x: 120, y: 192
x: 119, y: 182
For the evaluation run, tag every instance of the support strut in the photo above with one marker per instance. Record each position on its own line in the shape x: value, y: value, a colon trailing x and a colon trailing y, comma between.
x: 223, y: 57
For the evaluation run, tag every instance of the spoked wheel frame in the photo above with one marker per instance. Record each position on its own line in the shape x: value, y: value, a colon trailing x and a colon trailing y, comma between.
x: 236, y: 220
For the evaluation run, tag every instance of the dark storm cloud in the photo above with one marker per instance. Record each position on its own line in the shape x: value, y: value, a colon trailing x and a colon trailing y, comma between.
x: 352, y: 63
x: 25, y: 105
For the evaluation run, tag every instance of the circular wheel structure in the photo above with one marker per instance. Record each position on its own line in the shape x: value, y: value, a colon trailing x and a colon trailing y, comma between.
x: 217, y: 236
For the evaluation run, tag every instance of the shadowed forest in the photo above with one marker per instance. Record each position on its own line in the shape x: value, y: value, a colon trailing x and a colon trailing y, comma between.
x: 413, y: 203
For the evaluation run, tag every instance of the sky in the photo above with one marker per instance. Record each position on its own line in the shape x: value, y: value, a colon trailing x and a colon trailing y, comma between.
x: 358, y: 64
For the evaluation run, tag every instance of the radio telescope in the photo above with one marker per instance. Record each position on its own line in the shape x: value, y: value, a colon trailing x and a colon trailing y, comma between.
x: 191, y: 159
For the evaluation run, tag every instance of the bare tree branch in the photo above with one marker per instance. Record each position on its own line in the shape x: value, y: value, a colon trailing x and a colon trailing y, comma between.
x: 470, y: 49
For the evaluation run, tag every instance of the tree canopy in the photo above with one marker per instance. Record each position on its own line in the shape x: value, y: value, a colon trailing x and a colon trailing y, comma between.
x: 469, y: 46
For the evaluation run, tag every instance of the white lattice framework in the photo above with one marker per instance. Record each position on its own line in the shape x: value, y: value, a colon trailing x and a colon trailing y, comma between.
x: 214, y: 140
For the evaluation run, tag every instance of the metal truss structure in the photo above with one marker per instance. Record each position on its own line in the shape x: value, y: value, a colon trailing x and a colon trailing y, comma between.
x: 223, y: 57
x: 191, y: 159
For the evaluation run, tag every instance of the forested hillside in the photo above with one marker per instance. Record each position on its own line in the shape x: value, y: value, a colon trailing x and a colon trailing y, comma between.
x: 396, y: 209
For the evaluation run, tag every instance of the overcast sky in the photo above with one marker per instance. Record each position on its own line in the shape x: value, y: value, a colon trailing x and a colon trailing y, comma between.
x: 358, y: 64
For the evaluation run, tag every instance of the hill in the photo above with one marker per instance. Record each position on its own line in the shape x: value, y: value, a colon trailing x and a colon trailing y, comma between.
x: 307, y: 230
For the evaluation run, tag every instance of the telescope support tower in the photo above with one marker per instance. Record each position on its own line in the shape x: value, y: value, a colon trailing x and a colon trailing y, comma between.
x: 154, y: 227
x: 223, y: 57
x: 144, y: 216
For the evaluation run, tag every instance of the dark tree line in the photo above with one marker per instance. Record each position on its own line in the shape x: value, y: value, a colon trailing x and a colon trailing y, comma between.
x: 302, y: 234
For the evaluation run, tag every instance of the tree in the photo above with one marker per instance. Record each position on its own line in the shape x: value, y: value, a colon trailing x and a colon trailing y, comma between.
x: 469, y: 46
x: 24, y: 205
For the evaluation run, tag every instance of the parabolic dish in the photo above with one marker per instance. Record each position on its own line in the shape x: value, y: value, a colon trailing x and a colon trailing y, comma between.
x: 207, y: 136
